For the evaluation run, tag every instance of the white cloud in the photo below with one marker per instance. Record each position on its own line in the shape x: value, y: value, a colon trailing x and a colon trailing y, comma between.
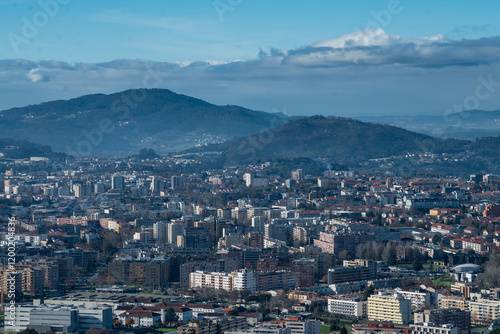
x: 36, y: 75
x: 423, y: 72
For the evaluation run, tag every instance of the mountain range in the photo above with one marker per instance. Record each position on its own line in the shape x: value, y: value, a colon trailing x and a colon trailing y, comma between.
x: 469, y: 124
x: 123, y: 123
x: 355, y: 143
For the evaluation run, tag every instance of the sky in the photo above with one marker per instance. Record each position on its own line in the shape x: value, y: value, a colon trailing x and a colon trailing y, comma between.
x: 343, y: 58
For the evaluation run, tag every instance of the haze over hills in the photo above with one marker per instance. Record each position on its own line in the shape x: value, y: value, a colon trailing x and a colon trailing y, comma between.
x: 349, y: 141
x: 344, y: 139
x: 470, y: 124
x: 123, y: 123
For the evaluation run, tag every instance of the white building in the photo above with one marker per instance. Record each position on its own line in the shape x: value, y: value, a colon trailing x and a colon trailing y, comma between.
x: 141, y: 318
x: 348, y: 307
x: 238, y: 280
x: 265, y: 329
x: 160, y: 231
x: 60, y: 318
x: 174, y: 229
x: 214, y: 280
x: 244, y: 280
x: 303, y: 327
x: 419, y: 300
x: 430, y: 328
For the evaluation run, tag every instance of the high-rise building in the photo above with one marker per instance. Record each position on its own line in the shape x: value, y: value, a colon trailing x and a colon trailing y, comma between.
x: 259, y: 223
x: 348, y: 274
x: 11, y: 284
x: 156, y: 185
x: 99, y: 188
x: 176, y: 181
x: 334, y: 243
x: 151, y: 273
x: 298, y: 175
x: 347, y: 307
x: 118, y: 182
x: 454, y: 316
x: 160, y: 231
x: 244, y: 280
x: 195, y: 237
x: 484, y: 311
x: 389, y: 307
x: 371, y: 265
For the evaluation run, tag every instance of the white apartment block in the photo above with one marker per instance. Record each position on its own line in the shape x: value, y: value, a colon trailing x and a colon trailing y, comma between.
x: 348, y: 307
x: 238, y: 280
x: 419, y: 300
x: 244, y: 280
x: 430, y: 328
x: 214, y: 280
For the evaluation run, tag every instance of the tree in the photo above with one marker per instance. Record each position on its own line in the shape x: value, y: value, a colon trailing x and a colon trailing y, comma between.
x: 171, y: 316
x: 93, y: 330
x: 29, y: 331
x: 343, y: 330
x: 392, y: 260
x: 417, y: 265
x: 317, y: 311
x: 234, y: 312
x: 436, y: 239
x: 344, y: 255
x: 129, y: 322
x: 369, y: 290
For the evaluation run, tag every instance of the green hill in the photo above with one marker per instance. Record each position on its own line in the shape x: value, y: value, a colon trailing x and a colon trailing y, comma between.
x: 19, y: 149
x: 121, y: 123
x: 340, y: 139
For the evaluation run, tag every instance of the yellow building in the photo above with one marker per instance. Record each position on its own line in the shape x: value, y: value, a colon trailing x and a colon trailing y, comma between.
x: 388, y: 307
x: 484, y: 311
x: 453, y: 302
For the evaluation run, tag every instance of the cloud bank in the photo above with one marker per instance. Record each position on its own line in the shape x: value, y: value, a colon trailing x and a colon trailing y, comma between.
x: 392, y: 75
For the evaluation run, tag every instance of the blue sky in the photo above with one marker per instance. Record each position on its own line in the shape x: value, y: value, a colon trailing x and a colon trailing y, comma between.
x: 313, y: 58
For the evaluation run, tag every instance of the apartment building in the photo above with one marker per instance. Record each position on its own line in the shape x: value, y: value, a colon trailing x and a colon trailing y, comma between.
x: 237, y: 280
x: 298, y: 326
x: 389, y: 307
x: 334, y: 243
x: 151, y: 273
x: 484, y: 311
x: 371, y: 265
x: 457, y: 317
x: 348, y: 307
x: 419, y: 300
x: 348, y: 274
x: 431, y: 328
x: 214, y: 280
x: 453, y: 302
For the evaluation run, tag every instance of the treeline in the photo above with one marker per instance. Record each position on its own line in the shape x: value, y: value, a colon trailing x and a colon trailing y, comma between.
x: 388, y: 253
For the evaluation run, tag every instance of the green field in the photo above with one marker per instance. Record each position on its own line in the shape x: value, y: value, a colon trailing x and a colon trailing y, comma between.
x: 443, y: 282
x: 166, y: 330
x: 323, y: 329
